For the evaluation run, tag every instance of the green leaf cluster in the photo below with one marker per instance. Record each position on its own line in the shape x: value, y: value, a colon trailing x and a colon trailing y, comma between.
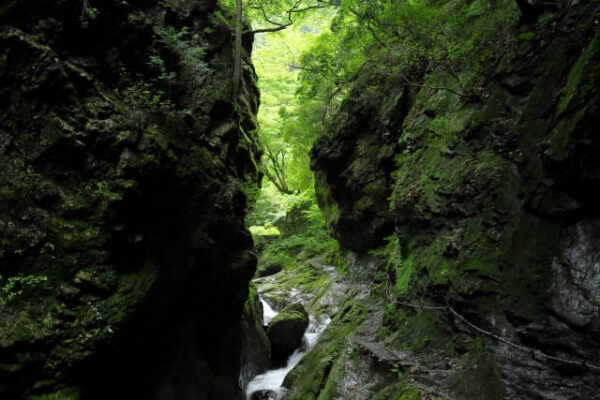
x: 15, y: 286
x: 185, y: 53
x: 406, y: 40
x: 285, y: 129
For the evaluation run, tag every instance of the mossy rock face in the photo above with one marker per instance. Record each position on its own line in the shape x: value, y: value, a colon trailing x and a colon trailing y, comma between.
x: 286, y: 330
x: 486, y: 200
x: 353, y: 161
x: 121, y: 201
x: 320, y: 372
x: 479, y: 380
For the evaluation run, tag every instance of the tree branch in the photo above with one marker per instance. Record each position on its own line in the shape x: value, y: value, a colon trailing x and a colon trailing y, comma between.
x: 266, y: 30
x: 277, y: 174
x: 279, y: 26
x: 237, y: 67
x: 369, y: 28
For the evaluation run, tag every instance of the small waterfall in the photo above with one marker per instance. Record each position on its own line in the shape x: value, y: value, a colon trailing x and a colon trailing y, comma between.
x: 268, y: 312
x: 271, y: 381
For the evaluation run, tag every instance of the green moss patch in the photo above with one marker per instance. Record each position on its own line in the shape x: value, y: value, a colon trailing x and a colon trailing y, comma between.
x: 318, y: 373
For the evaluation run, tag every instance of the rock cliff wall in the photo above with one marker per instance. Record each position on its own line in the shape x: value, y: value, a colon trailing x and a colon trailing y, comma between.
x: 487, y: 195
x: 123, y: 252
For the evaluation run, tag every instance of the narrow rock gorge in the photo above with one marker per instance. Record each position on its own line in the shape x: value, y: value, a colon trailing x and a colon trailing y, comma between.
x: 410, y: 214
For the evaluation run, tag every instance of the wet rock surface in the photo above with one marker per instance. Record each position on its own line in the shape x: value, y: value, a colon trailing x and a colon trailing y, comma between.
x: 576, y: 272
x: 264, y: 395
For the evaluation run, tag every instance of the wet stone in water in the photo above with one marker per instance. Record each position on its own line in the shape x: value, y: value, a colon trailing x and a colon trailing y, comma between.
x: 264, y: 395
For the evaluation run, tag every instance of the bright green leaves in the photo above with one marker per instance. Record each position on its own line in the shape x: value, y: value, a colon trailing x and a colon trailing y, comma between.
x: 189, y: 54
x: 15, y: 286
x: 276, y: 15
x: 407, y: 40
x: 285, y: 131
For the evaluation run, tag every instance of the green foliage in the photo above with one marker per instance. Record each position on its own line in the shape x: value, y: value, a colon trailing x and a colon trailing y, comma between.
x: 274, y: 15
x: 264, y: 230
x: 319, y: 373
x: 390, y: 252
x: 87, y: 11
x: 285, y: 131
x: 249, y: 304
x: 190, y: 52
x: 271, y: 206
x: 399, y: 390
x: 172, y: 5
x: 580, y: 69
x: 334, y: 256
x: 15, y: 286
x: 290, y: 251
x: 525, y: 36
x: 20, y: 180
x: 63, y: 394
x: 303, y: 234
x: 398, y: 266
x: 181, y: 58
x: 305, y: 74
x: 405, y: 40
x: 145, y: 96
x: 287, y: 135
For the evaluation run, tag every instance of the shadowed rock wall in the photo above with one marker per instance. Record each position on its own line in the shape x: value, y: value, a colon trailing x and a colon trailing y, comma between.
x: 123, y: 252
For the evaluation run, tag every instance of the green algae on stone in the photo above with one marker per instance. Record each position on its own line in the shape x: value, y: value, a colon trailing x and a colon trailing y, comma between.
x: 583, y: 76
x: 285, y: 331
x: 317, y: 375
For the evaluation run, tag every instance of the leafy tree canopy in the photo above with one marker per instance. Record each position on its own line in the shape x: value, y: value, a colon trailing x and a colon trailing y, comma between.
x: 308, y: 67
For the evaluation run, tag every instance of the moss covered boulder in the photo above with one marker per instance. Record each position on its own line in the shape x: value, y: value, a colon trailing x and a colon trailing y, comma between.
x: 286, y: 331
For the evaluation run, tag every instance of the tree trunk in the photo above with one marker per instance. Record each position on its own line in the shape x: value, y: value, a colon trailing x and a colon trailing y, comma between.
x: 237, y: 67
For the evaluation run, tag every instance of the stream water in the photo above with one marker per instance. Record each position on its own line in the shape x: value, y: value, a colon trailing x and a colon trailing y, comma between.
x: 270, y: 383
x: 268, y: 313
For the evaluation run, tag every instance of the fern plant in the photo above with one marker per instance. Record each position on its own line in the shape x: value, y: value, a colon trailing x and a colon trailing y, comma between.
x: 190, y: 53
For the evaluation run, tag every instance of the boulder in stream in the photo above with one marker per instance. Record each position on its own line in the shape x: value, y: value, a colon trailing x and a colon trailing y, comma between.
x: 286, y: 331
x: 264, y: 395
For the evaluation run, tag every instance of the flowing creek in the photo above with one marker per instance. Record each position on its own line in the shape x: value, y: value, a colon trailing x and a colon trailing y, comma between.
x: 269, y: 384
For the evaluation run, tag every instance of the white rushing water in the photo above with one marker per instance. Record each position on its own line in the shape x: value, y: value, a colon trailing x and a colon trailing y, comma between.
x: 268, y: 312
x: 273, y: 379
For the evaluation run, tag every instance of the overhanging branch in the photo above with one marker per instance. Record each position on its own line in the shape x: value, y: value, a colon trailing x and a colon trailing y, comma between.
x: 279, y: 26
